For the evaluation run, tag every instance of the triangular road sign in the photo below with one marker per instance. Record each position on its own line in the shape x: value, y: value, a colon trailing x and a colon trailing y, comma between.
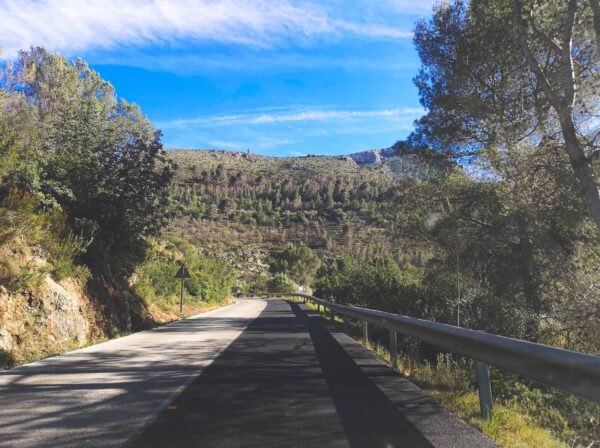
x: 183, y: 273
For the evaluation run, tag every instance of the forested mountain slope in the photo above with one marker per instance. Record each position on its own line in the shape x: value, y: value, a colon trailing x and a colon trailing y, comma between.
x: 334, y: 205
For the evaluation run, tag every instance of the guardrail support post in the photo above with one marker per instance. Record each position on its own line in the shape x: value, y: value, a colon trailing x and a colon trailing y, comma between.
x: 394, y: 348
x: 332, y: 315
x: 346, y: 325
x: 485, y: 389
x: 366, y: 331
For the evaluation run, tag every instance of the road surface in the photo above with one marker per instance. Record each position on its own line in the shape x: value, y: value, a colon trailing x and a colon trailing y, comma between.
x: 255, y: 374
x: 105, y: 394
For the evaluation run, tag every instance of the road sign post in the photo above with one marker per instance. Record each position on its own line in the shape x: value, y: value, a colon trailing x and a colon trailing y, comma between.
x: 183, y: 273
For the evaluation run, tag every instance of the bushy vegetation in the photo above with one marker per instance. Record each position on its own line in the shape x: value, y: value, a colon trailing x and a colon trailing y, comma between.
x: 26, y: 231
x: 211, y: 280
x: 83, y: 196
x: 429, y: 292
x: 69, y: 142
x: 298, y: 262
x: 281, y: 283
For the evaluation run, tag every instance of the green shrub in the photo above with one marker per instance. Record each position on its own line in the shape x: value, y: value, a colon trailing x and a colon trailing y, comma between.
x: 297, y: 262
x: 28, y: 279
x: 62, y: 250
x: 211, y: 279
x: 281, y: 283
x: 26, y: 226
x: 82, y: 274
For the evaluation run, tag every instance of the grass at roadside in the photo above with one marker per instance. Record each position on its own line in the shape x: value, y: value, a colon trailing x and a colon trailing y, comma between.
x: 168, y: 310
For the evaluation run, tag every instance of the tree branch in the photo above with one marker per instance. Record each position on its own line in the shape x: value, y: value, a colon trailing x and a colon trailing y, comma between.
x: 543, y: 36
x: 531, y: 60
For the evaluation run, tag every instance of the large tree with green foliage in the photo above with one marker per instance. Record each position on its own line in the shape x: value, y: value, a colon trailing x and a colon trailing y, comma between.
x: 298, y: 262
x: 515, y: 84
x: 497, y: 73
x: 83, y: 150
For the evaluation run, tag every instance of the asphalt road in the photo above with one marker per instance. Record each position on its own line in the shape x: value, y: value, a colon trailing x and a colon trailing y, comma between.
x: 255, y: 374
x: 104, y: 395
x: 293, y: 380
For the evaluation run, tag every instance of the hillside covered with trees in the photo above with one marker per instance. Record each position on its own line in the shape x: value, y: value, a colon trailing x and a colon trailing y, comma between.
x: 331, y: 204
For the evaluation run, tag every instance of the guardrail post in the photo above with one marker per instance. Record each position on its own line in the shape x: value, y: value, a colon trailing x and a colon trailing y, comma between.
x: 394, y: 348
x: 485, y: 389
x: 346, y: 324
x: 332, y: 315
x: 365, y: 331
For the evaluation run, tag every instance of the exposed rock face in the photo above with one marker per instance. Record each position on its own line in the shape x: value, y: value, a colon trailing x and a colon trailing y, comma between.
x: 6, y: 334
x: 388, y: 152
x: 65, y: 310
x: 59, y: 316
x: 52, y: 316
x: 371, y: 156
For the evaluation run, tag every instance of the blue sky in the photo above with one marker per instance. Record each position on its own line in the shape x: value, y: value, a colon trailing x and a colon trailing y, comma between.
x: 279, y: 77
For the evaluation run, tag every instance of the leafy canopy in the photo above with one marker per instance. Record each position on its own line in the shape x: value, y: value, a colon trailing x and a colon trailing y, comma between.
x: 84, y: 151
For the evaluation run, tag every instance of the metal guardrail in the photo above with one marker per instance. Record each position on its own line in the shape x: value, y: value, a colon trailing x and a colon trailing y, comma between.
x: 574, y: 372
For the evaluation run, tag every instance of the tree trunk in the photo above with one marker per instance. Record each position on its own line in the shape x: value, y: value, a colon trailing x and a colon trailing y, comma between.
x: 596, y: 8
x: 581, y: 167
x: 562, y: 101
x: 530, y: 287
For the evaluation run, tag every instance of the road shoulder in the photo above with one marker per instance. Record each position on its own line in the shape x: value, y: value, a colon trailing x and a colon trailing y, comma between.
x: 440, y: 427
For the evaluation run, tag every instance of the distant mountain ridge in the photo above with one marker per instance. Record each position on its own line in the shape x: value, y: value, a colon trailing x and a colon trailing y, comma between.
x: 360, y: 157
x: 387, y: 161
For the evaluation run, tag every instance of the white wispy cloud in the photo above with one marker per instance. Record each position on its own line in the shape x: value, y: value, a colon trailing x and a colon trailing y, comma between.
x: 372, y: 30
x: 332, y: 115
x: 295, y: 128
x: 74, y: 26
x: 293, y: 116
